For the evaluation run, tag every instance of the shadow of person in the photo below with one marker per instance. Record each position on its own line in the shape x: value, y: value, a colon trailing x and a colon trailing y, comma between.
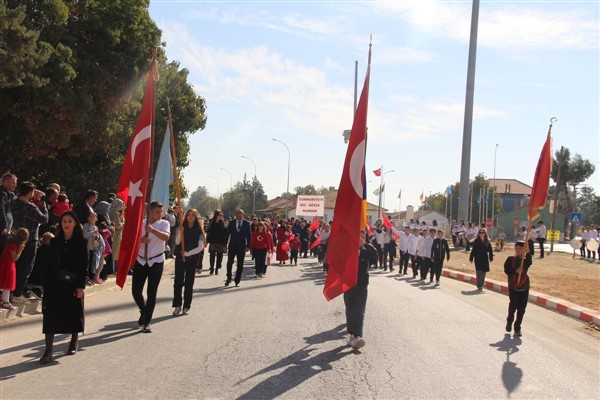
x: 474, y: 292
x: 511, y: 374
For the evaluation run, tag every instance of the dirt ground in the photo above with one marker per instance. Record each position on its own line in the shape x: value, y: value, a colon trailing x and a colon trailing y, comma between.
x: 557, y: 274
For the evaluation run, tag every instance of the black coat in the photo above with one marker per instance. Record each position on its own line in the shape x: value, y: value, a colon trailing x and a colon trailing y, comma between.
x: 63, y: 312
x: 216, y: 232
x: 482, y: 254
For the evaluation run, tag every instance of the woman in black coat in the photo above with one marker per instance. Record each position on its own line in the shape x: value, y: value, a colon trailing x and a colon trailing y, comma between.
x: 216, y: 240
x: 64, y: 283
x: 483, y: 254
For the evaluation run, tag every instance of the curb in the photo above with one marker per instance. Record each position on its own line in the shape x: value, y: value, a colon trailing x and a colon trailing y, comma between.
x: 35, y: 306
x: 553, y: 303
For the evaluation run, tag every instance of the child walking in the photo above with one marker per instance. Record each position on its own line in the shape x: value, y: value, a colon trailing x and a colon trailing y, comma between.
x: 516, y: 267
x: 294, y: 249
x: 8, y: 269
x: 439, y: 249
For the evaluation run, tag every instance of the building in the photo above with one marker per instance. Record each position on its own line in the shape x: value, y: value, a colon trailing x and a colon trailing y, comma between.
x: 282, y: 206
x: 512, y: 193
x: 516, y: 219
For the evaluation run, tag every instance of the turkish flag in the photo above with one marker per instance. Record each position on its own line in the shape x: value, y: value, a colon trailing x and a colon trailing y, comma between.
x: 344, y: 243
x: 388, y: 225
x: 377, y: 172
x: 314, y: 225
x: 541, y: 180
x: 369, y: 228
x: 133, y: 183
x: 316, y: 242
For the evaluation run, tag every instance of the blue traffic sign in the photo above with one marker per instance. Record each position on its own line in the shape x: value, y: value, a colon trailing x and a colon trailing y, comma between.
x: 575, y: 218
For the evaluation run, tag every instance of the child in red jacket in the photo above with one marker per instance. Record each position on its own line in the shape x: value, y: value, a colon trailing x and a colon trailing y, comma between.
x: 295, y: 248
x: 261, y: 243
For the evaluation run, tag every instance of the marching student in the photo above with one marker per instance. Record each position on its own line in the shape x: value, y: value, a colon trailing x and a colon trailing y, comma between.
x: 541, y: 237
x: 294, y: 248
x: 403, y: 247
x: 427, y: 266
x: 516, y: 267
x: 439, y: 248
x: 261, y: 243
x: 413, y: 243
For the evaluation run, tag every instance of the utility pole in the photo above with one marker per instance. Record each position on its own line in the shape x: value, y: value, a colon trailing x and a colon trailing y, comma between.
x: 556, y: 189
x: 465, y: 165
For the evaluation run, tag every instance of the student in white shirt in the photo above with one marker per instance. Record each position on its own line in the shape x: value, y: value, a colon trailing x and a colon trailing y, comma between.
x: 403, y: 247
x: 149, y: 264
x: 541, y: 237
x: 413, y: 244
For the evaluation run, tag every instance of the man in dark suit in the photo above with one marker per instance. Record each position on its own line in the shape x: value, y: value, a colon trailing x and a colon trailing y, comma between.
x: 238, y: 237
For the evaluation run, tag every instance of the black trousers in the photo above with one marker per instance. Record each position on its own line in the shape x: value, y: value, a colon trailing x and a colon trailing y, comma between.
x: 416, y: 261
x: 436, y: 268
x: 239, y: 255
x: 582, y: 248
x: 355, y: 301
x: 388, y: 254
x: 425, y: 266
x: 141, y: 273
x: 304, y: 248
x: 24, y: 266
x: 541, y: 241
x: 518, y: 303
x: 185, y: 275
x: 215, y: 256
x: 404, y: 257
x: 531, y: 249
x: 293, y: 256
x: 260, y: 261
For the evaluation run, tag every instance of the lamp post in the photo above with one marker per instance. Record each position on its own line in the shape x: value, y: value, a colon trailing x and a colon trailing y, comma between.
x: 218, y: 186
x: 494, y: 193
x: 288, y: 174
x: 230, y: 178
x: 253, y: 184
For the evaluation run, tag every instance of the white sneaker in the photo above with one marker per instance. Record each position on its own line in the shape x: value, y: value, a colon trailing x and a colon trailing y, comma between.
x: 358, y: 343
x: 20, y: 299
x: 185, y: 311
x: 177, y: 311
x: 437, y: 283
x: 350, y: 340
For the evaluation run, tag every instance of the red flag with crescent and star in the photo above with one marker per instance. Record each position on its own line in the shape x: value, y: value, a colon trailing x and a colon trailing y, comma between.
x: 133, y: 183
x: 344, y: 242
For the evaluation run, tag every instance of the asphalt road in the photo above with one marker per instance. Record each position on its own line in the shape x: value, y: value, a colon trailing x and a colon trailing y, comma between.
x: 279, y: 337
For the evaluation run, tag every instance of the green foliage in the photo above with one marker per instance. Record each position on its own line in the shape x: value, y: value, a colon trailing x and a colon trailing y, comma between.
x: 573, y: 171
x: 242, y: 195
x: 69, y: 112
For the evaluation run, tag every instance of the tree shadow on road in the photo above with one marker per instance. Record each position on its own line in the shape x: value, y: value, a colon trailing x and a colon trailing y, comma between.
x: 511, y: 374
x: 299, y: 366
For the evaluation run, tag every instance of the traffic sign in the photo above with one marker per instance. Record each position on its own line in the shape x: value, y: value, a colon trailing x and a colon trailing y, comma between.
x: 575, y: 218
x: 553, y: 235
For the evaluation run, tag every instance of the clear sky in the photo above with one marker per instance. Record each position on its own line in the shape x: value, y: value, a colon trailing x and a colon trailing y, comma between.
x: 285, y: 70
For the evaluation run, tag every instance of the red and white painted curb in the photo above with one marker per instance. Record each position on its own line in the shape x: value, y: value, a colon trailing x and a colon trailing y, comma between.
x: 553, y: 303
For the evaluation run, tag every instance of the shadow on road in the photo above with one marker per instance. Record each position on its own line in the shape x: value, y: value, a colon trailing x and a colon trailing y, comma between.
x: 471, y: 292
x: 301, y: 366
x: 511, y: 374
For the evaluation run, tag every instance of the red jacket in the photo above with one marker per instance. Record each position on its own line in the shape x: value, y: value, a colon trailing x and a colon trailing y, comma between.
x: 261, y: 240
x: 295, y: 244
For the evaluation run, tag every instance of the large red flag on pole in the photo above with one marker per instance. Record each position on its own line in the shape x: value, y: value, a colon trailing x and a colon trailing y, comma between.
x: 133, y: 183
x: 344, y: 241
x: 541, y: 180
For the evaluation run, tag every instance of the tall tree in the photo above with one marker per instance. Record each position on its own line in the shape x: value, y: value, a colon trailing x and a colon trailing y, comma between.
x: 75, y: 127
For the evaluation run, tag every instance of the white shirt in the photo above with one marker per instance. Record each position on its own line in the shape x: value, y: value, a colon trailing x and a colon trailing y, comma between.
x: 594, y: 234
x: 421, y: 247
x: 541, y: 231
x: 413, y: 242
x: 379, y: 237
x: 585, y: 235
x: 428, y: 244
x: 403, y: 245
x: 156, y: 247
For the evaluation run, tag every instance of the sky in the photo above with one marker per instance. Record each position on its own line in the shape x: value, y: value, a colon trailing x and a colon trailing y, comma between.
x: 285, y: 70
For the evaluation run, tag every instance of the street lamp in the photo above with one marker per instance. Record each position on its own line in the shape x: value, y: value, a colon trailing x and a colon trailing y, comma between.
x: 288, y: 176
x: 253, y: 184
x: 218, y: 186
x: 494, y: 192
x: 230, y: 178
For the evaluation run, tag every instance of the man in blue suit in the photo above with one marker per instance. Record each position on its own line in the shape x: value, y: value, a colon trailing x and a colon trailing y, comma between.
x: 238, y: 238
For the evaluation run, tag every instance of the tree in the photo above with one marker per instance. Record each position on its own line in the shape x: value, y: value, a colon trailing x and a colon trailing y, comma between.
x: 242, y: 196
x: 75, y: 126
x: 201, y: 201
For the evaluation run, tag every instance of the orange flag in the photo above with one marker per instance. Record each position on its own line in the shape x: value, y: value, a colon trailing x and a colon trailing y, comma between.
x: 541, y: 180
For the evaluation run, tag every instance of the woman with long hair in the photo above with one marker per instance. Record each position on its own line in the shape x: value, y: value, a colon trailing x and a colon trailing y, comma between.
x: 187, y: 257
x: 64, y: 284
x: 216, y: 241
x: 483, y: 254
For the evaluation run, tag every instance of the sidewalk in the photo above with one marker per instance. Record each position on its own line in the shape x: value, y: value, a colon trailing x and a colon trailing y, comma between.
x: 35, y: 306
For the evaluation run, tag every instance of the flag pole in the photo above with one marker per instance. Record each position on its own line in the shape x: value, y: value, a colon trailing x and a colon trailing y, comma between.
x: 176, y: 178
x: 151, y: 176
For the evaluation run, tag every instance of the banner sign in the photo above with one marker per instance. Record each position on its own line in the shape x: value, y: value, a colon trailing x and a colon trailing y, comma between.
x: 310, y: 206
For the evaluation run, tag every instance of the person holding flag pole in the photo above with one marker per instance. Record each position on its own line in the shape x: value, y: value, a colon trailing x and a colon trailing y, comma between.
x: 348, y: 270
x: 134, y: 184
x: 518, y: 280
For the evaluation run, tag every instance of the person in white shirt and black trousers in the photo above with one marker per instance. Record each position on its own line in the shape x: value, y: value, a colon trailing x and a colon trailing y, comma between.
x: 238, y: 238
x: 149, y: 264
x: 541, y: 237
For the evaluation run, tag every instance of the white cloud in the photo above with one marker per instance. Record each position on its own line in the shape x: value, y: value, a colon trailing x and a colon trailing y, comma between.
x: 509, y: 27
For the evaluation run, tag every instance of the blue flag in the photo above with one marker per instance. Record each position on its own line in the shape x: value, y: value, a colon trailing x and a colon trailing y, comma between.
x: 164, y: 173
